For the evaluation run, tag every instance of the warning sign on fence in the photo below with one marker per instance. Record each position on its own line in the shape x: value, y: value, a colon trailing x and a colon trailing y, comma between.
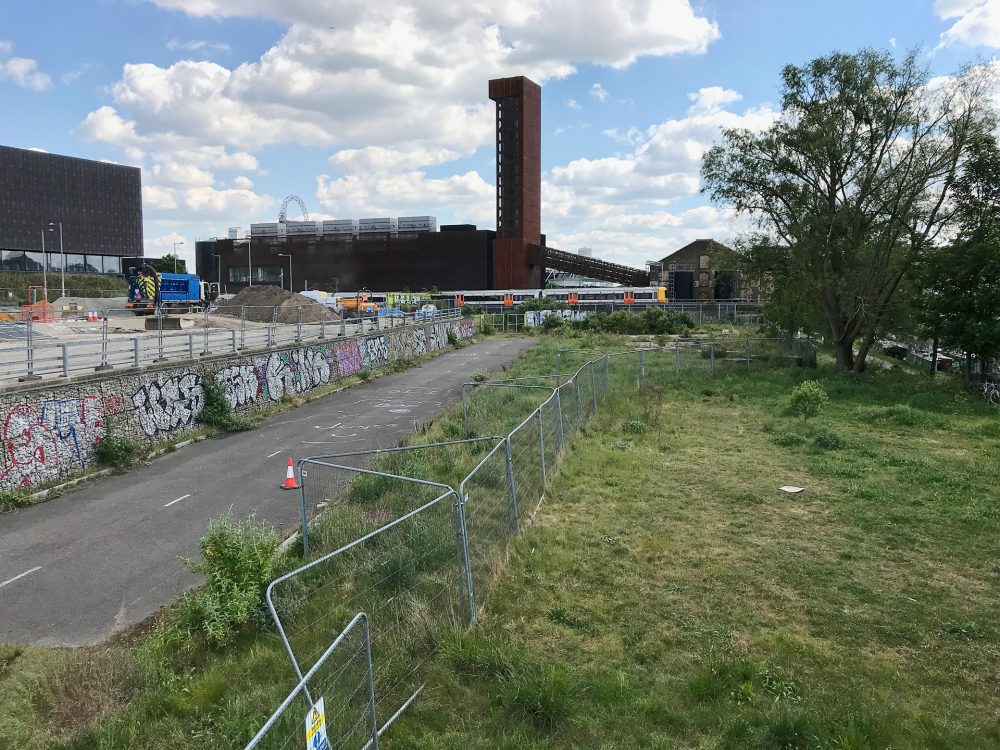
x: 316, y: 738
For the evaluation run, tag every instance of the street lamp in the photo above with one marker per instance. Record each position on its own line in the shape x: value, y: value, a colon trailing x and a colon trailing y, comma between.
x: 291, y: 287
x: 62, y: 255
x: 218, y: 273
x: 175, y: 254
x: 249, y: 264
x: 45, y: 282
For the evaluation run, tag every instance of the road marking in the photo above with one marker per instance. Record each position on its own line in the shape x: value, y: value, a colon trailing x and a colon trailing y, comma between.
x: 22, y: 575
x: 182, y: 497
x: 274, y: 454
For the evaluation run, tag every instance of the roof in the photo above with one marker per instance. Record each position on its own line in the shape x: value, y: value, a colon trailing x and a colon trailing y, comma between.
x: 698, y: 247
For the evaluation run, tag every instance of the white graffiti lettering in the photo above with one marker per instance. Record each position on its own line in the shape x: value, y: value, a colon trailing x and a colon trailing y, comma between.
x: 162, y: 407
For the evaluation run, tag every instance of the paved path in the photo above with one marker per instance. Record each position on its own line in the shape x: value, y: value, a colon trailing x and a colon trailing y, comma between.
x: 76, y: 569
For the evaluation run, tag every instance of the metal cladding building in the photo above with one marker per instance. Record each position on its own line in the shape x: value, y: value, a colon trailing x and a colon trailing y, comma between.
x: 389, y: 253
x: 98, y: 205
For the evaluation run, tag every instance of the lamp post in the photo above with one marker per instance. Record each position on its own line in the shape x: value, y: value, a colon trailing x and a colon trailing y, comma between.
x: 175, y: 254
x: 249, y: 264
x: 291, y: 287
x: 62, y: 255
x: 218, y: 273
x: 45, y: 282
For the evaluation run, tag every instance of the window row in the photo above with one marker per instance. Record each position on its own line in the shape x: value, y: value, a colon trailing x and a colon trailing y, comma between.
x: 17, y: 260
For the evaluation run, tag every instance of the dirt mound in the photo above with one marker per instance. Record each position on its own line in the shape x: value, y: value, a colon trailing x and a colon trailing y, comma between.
x: 266, y: 303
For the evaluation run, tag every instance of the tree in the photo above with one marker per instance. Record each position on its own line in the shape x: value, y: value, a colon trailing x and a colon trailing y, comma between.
x: 959, y: 297
x: 853, y: 181
x: 166, y: 264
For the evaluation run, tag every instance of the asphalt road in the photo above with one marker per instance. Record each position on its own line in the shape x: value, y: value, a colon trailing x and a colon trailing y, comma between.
x: 77, y: 569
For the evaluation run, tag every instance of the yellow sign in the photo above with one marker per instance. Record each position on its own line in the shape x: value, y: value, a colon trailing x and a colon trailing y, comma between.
x: 316, y: 738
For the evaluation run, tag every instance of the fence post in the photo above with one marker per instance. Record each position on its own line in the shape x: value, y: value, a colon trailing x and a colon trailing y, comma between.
x: 31, y: 350
x: 243, y: 327
x: 204, y: 327
x: 748, y: 352
x: 579, y: 400
x: 541, y: 444
x: 298, y: 324
x: 343, y: 327
x: 302, y: 510
x: 232, y: 339
x: 465, y: 413
x: 593, y: 386
x: 558, y: 361
x: 190, y: 344
x: 559, y: 417
x: 465, y: 569
x: 270, y: 336
x: 677, y: 360
x: 511, y: 490
x: 135, y: 351
x: 711, y: 356
x: 322, y: 329
x: 642, y: 368
x: 606, y: 360
x: 65, y: 359
x: 372, y: 720
x: 104, y: 345
x: 159, y: 334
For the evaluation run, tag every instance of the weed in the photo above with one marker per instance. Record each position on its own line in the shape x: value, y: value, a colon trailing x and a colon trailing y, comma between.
x: 473, y: 654
x: 364, y: 375
x: 808, y: 399
x: 961, y: 628
x: 238, y: 563
x: 453, y: 339
x: 217, y: 412
x: 117, y: 450
x: 487, y: 328
x: 480, y: 376
x: 569, y: 617
x: 634, y: 427
x: 622, y: 445
x: 787, y: 439
x: 828, y: 440
x: 19, y: 498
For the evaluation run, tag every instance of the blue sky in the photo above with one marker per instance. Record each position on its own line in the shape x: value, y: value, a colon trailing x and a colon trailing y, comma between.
x: 379, y: 107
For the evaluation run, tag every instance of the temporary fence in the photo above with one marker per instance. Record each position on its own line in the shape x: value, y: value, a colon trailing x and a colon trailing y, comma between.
x: 415, y: 536
x: 95, y: 346
x: 412, y: 538
x: 737, y: 312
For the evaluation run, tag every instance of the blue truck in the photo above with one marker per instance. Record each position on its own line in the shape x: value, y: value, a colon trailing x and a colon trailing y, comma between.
x: 149, y: 289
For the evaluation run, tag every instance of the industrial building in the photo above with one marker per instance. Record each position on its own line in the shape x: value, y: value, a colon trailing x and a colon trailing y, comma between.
x: 702, y: 270
x: 88, y: 214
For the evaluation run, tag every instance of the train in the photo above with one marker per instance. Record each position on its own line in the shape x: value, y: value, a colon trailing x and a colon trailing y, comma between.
x: 496, y: 300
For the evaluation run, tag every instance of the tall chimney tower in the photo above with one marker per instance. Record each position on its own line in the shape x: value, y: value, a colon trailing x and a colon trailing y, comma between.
x: 517, y: 251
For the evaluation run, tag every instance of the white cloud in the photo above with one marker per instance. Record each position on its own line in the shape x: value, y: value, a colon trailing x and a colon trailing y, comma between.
x: 712, y: 99
x: 242, y: 182
x: 23, y: 71
x: 71, y: 76
x: 573, y: 104
x: 975, y: 22
x: 195, y: 45
x: 892, y: 42
x: 598, y: 92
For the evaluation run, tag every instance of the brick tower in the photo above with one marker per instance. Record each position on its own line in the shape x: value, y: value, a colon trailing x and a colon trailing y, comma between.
x: 517, y: 252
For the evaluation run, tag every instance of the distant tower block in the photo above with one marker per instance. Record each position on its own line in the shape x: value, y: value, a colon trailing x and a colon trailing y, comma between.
x: 517, y: 252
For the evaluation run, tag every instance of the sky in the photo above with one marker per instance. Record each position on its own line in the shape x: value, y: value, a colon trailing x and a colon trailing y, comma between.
x: 380, y: 107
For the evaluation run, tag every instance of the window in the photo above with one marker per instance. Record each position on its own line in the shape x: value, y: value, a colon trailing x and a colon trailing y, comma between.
x: 704, y: 261
x: 261, y: 274
x: 75, y: 263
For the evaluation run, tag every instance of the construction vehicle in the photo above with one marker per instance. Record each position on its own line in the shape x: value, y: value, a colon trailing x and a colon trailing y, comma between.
x: 149, y: 290
x: 355, y: 305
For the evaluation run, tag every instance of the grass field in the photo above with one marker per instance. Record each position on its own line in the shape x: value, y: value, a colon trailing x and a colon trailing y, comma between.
x: 666, y: 594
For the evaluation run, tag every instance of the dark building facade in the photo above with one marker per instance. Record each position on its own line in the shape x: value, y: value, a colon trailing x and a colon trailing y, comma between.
x: 517, y: 257
x: 703, y: 270
x: 450, y: 259
x: 99, y: 206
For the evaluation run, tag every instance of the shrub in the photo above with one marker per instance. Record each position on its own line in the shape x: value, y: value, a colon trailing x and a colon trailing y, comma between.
x: 634, y: 426
x: 117, y: 450
x: 238, y: 565
x: 480, y: 376
x: 10, y: 499
x: 486, y: 327
x: 652, y: 321
x: 808, y: 399
x: 217, y: 412
x: 788, y: 439
x: 453, y: 339
x: 552, y: 323
x: 902, y: 415
x: 828, y: 440
x: 622, y: 445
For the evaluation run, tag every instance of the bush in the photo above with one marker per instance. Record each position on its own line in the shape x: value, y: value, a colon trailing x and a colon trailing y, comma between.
x: 486, y: 327
x: 653, y: 320
x: 552, y: 323
x: 238, y: 565
x: 217, y: 412
x: 808, y: 399
x: 480, y: 376
x: 828, y: 440
x: 634, y: 426
x: 453, y: 339
x: 622, y: 445
x: 117, y: 450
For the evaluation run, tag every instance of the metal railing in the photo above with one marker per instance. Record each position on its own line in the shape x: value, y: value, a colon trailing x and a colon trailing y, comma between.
x: 26, y: 356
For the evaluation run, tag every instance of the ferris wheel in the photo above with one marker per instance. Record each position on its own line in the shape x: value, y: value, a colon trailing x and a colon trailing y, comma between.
x: 283, y: 213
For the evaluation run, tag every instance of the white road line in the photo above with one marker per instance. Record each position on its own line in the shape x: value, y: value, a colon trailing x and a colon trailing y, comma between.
x: 22, y: 575
x: 182, y: 497
x: 274, y: 454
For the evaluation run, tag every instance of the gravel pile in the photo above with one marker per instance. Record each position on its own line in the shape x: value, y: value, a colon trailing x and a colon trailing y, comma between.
x: 114, y: 305
x: 264, y: 303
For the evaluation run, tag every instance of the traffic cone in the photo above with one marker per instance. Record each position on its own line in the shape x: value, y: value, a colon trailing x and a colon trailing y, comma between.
x: 290, y: 483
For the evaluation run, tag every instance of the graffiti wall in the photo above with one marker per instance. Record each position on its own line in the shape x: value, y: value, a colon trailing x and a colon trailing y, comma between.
x: 50, y: 432
x: 537, y: 317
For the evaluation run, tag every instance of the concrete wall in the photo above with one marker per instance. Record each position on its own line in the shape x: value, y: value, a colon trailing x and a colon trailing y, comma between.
x: 50, y: 431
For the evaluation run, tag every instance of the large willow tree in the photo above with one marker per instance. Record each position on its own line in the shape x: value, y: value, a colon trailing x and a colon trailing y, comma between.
x: 852, y: 184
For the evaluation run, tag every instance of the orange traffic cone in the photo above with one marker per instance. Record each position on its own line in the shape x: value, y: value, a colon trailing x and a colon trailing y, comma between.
x: 290, y: 483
